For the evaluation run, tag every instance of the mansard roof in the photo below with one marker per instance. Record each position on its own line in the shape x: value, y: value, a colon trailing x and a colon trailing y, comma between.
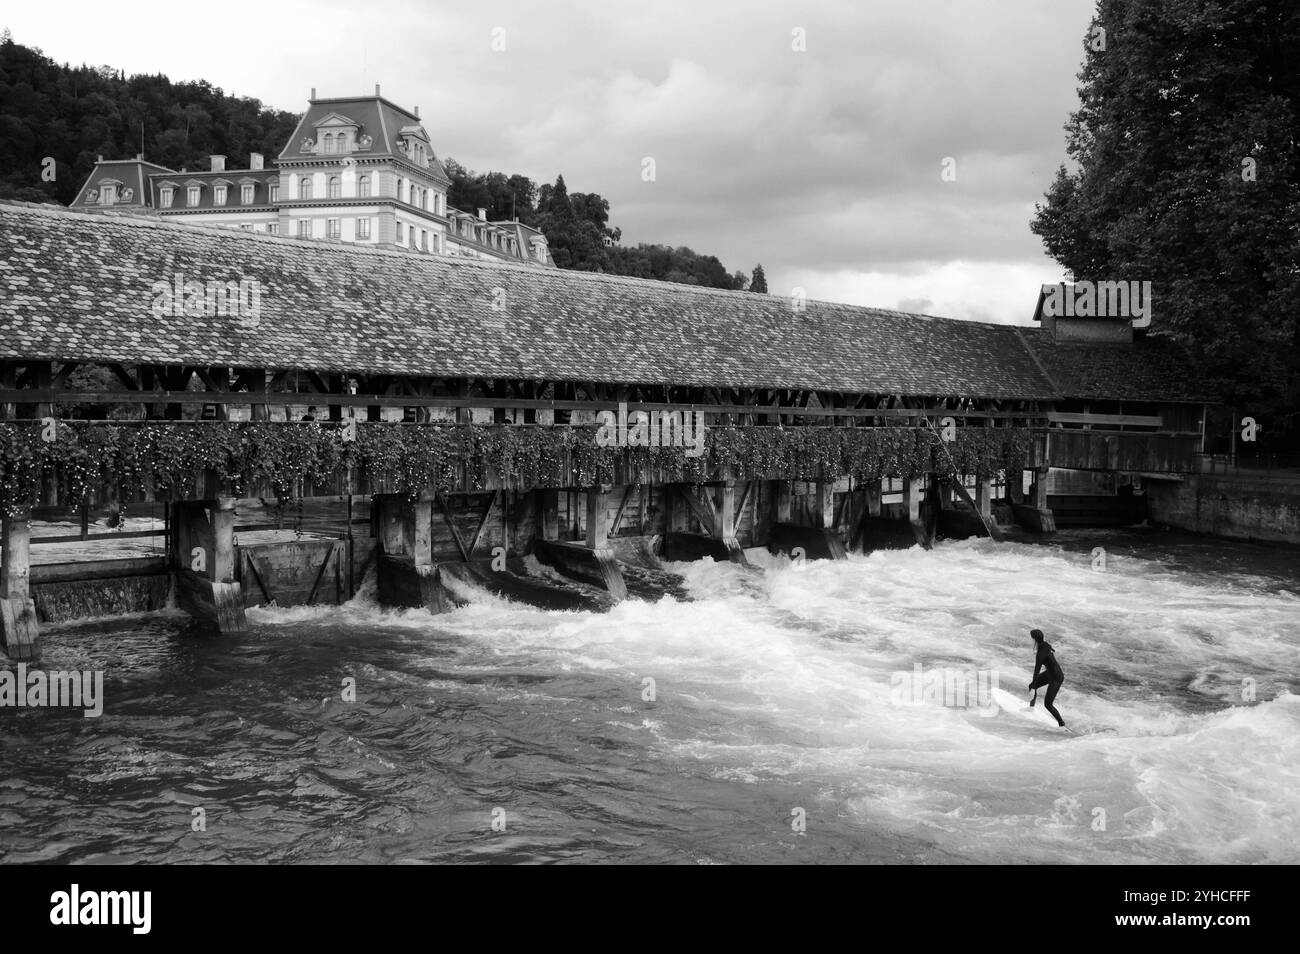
x: 77, y: 286
x: 131, y: 173
x: 384, y: 121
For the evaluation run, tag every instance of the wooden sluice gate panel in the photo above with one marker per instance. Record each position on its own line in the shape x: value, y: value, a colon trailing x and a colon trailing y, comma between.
x: 306, y: 572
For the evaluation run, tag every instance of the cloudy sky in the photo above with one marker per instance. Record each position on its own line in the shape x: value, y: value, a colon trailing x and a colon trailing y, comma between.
x: 824, y: 164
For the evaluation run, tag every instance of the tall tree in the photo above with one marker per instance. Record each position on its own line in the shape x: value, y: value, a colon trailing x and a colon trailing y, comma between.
x: 758, y: 283
x: 1185, y: 172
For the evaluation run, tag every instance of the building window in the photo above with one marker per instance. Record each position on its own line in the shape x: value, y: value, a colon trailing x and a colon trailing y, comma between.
x: 246, y: 194
x: 167, y: 196
x: 401, y: 233
x: 363, y: 186
x: 219, y: 195
x: 273, y: 228
x: 424, y: 240
x: 108, y: 196
x: 275, y: 192
x: 304, y: 187
x: 332, y: 229
x: 328, y: 142
x: 192, y: 195
x: 363, y: 228
x: 304, y: 228
x: 334, y: 188
x: 247, y: 226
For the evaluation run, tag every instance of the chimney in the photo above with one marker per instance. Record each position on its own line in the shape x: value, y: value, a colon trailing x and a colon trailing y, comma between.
x: 482, y: 215
x: 417, y: 112
x: 218, y: 163
x: 376, y: 89
x: 139, y: 155
x: 255, y: 160
x: 313, y: 94
x: 99, y: 158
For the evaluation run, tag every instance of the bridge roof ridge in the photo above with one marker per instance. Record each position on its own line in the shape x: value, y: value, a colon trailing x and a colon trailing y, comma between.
x: 77, y: 286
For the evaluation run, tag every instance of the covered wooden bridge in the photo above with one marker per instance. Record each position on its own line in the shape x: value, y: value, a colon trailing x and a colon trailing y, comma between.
x: 477, y: 413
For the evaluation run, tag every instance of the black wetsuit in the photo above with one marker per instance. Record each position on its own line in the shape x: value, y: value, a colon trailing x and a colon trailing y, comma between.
x: 1052, y: 677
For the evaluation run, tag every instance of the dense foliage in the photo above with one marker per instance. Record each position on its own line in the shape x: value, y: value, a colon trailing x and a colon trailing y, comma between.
x: 169, y: 458
x: 75, y: 113
x: 577, y: 229
x: 1186, y: 173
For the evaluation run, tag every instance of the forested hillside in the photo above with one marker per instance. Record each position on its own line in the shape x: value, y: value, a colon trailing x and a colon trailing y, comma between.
x: 73, y: 114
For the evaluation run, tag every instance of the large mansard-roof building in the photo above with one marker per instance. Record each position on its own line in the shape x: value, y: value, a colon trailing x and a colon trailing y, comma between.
x: 357, y: 170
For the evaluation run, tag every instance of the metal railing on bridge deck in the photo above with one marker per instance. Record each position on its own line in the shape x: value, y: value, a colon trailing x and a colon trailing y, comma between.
x: 1257, y: 466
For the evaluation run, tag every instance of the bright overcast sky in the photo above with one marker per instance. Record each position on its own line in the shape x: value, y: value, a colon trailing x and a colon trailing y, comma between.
x: 823, y: 165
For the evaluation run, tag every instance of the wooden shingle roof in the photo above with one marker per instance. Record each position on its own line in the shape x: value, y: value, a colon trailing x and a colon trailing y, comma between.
x: 79, y: 287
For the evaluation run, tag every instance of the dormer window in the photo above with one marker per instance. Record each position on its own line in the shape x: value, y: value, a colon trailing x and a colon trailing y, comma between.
x: 166, y: 197
x: 334, y: 134
x: 246, y: 192
x: 92, y: 195
x: 275, y: 192
x: 193, y: 194
x: 219, y: 195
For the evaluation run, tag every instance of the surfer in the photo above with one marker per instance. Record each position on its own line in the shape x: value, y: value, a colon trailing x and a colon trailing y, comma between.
x: 1052, y: 677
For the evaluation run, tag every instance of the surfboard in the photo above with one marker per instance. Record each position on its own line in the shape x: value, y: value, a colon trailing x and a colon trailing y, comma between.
x: 1019, y: 706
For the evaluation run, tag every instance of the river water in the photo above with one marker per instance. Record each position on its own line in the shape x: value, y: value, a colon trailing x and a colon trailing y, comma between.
x: 773, y: 729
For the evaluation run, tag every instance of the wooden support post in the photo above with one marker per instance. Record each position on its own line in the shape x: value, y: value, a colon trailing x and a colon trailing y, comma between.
x: 338, y: 384
x: 41, y: 379
x: 873, y: 488
x: 597, y: 525
x: 208, y: 587
x: 8, y: 382
x: 1040, y: 487
x: 1016, y: 486
x: 824, y: 506
x: 913, y: 494
x: 724, y: 510
x: 421, y: 532
x: 724, y: 520
x: 17, y: 610
x: 984, y: 497
x: 223, y: 540
x: 261, y: 410
x: 782, y: 498
x: 389, y: 526
x: 548, y: 514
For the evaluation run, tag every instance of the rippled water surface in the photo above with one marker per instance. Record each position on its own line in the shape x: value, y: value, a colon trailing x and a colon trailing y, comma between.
x: 774, y: 700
